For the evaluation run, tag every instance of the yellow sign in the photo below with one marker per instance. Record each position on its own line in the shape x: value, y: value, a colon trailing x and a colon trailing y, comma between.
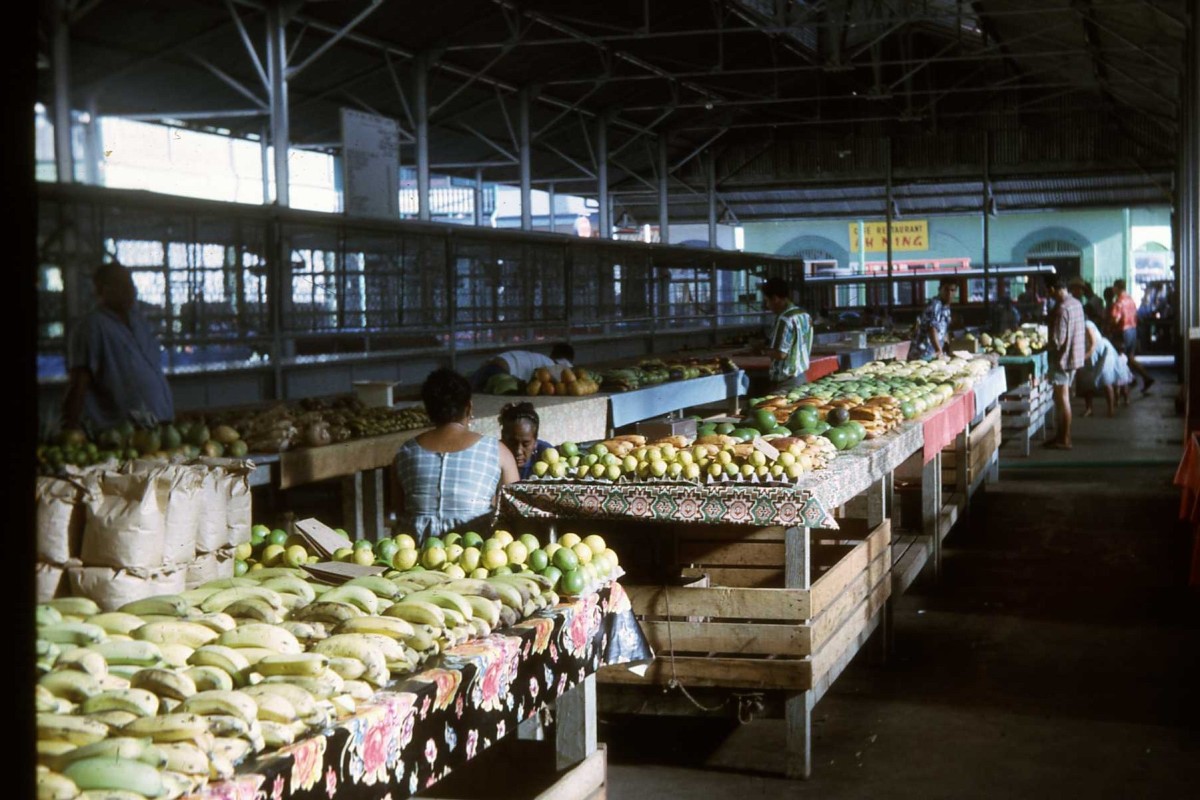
x: 907, y: 235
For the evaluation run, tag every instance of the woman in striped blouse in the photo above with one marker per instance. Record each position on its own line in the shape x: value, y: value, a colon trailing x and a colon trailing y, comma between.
x: 449, y: 476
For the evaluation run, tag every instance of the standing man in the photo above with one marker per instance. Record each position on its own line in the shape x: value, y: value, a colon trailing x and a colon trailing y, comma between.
x: 115, y: 361
x: 1067, y: 348
x: 1125, y: 324
x: 932, y: 330
x: 791, y: 336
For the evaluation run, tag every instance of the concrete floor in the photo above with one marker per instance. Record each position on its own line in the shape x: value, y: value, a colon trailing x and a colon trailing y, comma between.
x: 1059, y: 655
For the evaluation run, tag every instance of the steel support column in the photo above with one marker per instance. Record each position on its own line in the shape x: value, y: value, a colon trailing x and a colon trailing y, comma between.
x: 664, y: 179
x: 523, y: 156
x: 278, y: 100
x: 421, y: 96
x: 889, y: 216
x: 602, y: 175
x: 478, y: 198
x: 710, y: 175
x: 64, y: 156
x: 95, y: 145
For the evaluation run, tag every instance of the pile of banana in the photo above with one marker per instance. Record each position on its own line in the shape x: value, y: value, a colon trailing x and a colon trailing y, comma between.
x: 169, y: 692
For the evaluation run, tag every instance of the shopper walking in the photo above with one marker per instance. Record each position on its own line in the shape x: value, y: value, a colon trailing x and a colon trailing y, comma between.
x: 115, y: 369
x: 448, y: 477
x: 1125, y: 324
x: 790, y: 343
x: 931, y: 333
x: 1067, y: 347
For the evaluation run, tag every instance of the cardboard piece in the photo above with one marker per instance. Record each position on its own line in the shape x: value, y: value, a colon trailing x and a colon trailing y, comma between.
x: 766, y: 448
x: 338, y: 572
x: 324, y: 539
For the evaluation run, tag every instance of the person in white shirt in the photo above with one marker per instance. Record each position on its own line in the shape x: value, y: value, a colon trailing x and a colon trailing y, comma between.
x: 521, y: 364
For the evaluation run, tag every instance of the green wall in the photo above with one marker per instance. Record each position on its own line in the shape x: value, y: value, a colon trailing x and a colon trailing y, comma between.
x: 1102, y: 236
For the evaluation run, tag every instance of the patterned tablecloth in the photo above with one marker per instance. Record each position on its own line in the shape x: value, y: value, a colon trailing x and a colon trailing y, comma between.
x: 562, y: 419
x: 809, y: 502
x: 988, y: 390
x: 414, y: 733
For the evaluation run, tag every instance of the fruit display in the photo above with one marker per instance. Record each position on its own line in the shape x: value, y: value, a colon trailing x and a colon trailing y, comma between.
x: 1021, y: 342
x: 125, y: 442
x: 576, y: 382
x: 168, y: 692
x: 652, y: 372
x: 712, y: 457
x: 313, y: 423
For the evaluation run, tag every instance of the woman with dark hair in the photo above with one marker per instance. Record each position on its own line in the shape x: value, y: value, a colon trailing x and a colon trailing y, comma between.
x: 448, y: 476
x: 519, y: 432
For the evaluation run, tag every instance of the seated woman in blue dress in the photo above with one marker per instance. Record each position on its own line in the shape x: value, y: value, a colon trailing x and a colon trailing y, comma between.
x: 519, y: 432
x: 449, y: 476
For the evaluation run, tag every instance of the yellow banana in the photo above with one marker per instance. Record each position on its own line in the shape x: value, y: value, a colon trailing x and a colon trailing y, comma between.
x: 135, y: 701
x: 261, y: 635
x: 217, y: 621
x: 74, y: 606
x: 141, y: 654
x: 378, y: 584
x: 305, y: 664
x: 185, y: 758
x: 297, y: 697
x: 174, y: 727
x: 171, y: 605
x: 177, y: 631
x: 116, y: 775
x: 290, y: 584
x: 70, y: 684
x: 234, y: 663
x: 256, y: 609
x: 80, y: 730
x: 417, y: 612
x: 175, y: 684
x: 53, y: 786
x: 393, y: 627
x: 226, y: 597
x: 207, y: 677
x: 321, y: 687
x: 444, y: 598
x: 114, y: 719
x: 275, y: 708
x: 277, y: 735
x: 117, y: 622
x: 238, y: 704
x: 349, y: 668
x: 117, y: 747
x: 359, y: 690
x: 358, y: 596
x: 330, y: 612
x: 73, y: 633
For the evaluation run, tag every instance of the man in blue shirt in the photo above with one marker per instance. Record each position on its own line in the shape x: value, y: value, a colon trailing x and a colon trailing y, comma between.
x: 115, y: 361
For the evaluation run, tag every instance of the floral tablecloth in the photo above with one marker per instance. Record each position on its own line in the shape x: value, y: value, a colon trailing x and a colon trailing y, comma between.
x: 409, y: 736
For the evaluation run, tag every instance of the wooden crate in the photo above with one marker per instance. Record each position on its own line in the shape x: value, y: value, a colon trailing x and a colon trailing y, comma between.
x: 746, y: 630
x: 516, y: 768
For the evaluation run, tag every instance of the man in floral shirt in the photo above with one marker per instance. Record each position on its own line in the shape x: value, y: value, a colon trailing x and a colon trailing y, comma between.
x: 933, y: 326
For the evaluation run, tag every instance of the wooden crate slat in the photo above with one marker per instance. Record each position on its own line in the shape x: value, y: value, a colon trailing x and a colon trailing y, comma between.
x: 722, y: 602
x: 831, y: 584
x: 831, y: 619
x: 734, y: 673
x: 748, y: 577
x: 728, y: 638
x: 828, y: 653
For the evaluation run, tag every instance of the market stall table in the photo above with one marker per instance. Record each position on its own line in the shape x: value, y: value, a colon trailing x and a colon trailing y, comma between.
x: 788, y: 592
x: 561, y: 418
x: 419, y: 729
x: 626, y: 408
